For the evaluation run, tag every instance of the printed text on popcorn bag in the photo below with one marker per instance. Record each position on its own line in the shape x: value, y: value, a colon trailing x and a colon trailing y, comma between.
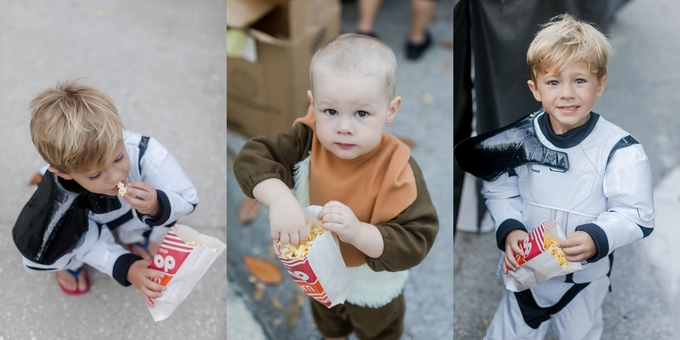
x: 169, y: 258
x: 304, y: 276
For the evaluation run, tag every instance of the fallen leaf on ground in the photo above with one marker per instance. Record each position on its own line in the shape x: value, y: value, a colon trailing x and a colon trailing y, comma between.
x: 427, y: 99
x: 248, y: 210
x: 292, y: 314
x: 258, y: 294
x: 485, y: 323
x: 264, y: 270
x: 275, y: 323
x: 277, y: 304
x: 36, y: 179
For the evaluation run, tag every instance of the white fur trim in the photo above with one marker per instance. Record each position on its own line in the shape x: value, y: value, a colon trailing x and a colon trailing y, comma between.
x: 301, y: 181
x: 374, y: 289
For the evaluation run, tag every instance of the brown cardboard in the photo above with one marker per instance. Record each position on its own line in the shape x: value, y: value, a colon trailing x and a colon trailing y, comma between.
x: 265, y: 98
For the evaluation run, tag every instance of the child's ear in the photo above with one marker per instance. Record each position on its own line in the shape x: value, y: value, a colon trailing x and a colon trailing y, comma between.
x: 602, y: 82
x: 534, y: 90
x: 59, y: 173
x: 392, y: 110
x: 310, y: 97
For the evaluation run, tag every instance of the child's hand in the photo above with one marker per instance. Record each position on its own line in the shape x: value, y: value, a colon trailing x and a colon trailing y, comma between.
x: 578, y: 246
x: 512, y: 242
x: 150, y: 251
x: 140, y: 276
x: 340, y: 219
x: 287, y: 222
x: 142, y: 197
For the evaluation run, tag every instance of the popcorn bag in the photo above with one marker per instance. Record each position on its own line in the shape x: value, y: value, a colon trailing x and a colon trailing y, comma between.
x: 543, y: 260
x: 183, y: 256
x: 321, y: 273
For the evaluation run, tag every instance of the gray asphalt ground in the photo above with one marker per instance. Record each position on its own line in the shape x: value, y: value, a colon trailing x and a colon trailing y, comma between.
x: 163, y: 64
x: 428, y: 291
x: 640, y: 97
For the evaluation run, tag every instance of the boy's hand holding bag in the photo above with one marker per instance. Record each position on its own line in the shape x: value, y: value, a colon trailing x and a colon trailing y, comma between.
x: 183, y: 256
x: 317, y: 265
x: 542, y: 258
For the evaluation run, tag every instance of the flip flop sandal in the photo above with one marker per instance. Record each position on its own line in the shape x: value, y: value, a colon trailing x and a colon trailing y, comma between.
x: 144, y: 246
x: 75, y: 274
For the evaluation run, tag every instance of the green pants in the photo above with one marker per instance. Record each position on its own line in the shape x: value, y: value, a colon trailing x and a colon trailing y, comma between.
x: 384, y: 323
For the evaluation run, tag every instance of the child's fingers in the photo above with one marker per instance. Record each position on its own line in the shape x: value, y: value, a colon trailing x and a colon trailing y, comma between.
x: 148, y: 301
x: 516, y: 249
x: 294, y: 238
x: 283, y: 238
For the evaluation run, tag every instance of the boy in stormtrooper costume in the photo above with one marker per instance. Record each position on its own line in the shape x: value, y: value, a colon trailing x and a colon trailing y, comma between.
x: 565, y: 164
x: 67, y: 221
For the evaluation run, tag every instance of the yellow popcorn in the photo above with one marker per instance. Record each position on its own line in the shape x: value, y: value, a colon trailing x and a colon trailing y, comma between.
x: 550, y: 244
x: 121, y: 189
x: 195, y: 244
x: 300, y: 251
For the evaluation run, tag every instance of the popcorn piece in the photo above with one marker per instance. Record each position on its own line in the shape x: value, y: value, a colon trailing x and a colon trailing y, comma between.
x: 550, y: 244
x: 195, y: 244
x: 300, y: 251
x: 122, y: 190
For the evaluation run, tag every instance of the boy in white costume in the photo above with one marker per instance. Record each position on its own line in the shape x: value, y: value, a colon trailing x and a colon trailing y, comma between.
x: 564, y: 164
x: 67, y: 221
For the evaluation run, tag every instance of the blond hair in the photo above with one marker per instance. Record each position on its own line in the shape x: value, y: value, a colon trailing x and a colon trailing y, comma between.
x: 565, y: 40
x: 357, y: 55
x: 75, y: 127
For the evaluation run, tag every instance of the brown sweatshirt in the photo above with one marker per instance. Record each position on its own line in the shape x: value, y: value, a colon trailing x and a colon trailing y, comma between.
x: 408, y: 236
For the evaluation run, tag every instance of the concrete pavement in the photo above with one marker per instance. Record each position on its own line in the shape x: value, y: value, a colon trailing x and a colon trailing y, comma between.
x: 641, y: 98
x: 163, y: 64
x: 426, y: 117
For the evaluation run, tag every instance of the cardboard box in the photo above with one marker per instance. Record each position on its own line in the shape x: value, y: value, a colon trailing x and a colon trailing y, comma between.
x: 265, y: 97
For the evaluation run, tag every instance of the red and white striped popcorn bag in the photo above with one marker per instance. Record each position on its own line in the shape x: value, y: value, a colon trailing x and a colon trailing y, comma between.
x: 538, y: 264
x: 184, y: 256
x: 322, y: 273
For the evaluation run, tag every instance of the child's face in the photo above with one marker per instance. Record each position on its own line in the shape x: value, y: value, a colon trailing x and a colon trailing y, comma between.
x: 350, y: 113
x: 568, y: 96
x: 103, y: 181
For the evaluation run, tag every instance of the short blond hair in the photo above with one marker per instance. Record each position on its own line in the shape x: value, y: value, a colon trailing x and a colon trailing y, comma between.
x: 565, y: 40
x: 357, y: 55
x: 75, y: 127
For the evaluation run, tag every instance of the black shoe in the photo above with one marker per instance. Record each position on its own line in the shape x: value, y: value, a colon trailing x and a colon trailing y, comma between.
x: 414, y: 51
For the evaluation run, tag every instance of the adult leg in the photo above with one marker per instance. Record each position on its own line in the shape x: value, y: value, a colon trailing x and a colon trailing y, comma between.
x: 368, y: 10
x: 421, y: 16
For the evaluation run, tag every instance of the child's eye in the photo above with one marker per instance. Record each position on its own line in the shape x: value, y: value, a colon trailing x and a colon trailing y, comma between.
x: 331, y: 112
x: 120, y: 158
x: 94, y: 177
x: 553, y: 83
x: 361, y: 114
x: 580, y: 81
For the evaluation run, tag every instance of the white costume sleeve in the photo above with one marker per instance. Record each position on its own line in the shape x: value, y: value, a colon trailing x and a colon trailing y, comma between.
x: 504, y: 203
x: 628, y: 187
x: 176, y: 193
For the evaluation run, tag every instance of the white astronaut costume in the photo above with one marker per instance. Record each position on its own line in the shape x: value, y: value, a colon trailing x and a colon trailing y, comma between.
x: 607, y: 191
x: 63, y: 225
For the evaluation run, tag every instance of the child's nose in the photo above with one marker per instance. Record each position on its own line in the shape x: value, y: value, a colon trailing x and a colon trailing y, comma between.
x: 568, y: 91
x: 345, y: 126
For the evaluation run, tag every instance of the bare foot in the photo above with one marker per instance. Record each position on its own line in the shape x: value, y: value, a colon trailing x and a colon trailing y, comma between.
x: 69, y: 282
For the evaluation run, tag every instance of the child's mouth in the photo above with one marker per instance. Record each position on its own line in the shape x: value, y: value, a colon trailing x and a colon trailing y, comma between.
x: 344, y: 146
x: 568, y: 109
